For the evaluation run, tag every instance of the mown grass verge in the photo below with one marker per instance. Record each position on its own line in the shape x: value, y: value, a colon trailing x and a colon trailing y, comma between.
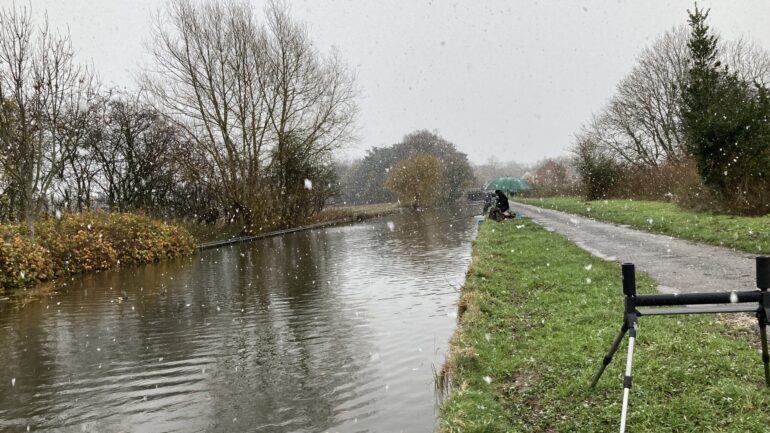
x: 537, y: 316
x: 751, y: 234
x: 85, y: 242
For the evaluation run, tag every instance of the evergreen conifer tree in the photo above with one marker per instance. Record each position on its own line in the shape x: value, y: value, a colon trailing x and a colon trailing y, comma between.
x: 725, y: 121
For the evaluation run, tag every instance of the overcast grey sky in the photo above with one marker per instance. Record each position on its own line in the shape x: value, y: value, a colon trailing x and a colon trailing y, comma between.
x: 514, y: 79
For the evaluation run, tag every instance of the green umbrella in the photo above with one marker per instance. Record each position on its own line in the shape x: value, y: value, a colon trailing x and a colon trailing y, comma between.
x: 507, y: 184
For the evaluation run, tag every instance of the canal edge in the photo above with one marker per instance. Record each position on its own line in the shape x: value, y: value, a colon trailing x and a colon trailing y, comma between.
x: 243, y: 239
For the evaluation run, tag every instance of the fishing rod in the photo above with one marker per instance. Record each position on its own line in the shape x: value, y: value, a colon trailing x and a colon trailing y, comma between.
x: 444, y: 221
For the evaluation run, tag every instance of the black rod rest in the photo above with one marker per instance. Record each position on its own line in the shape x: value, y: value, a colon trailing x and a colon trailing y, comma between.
x: 760, y: 298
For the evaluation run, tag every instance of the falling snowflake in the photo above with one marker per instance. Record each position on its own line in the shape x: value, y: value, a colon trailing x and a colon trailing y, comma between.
x: 308, y: 184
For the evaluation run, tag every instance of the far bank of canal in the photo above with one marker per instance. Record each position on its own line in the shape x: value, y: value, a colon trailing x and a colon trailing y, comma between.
x: 331, y: 329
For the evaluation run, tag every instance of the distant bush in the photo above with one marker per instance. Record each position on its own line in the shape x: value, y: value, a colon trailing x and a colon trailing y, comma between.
x: 675, y: 181
x: 417, y: 180
x: 599, y: 172
x: 92, y: 241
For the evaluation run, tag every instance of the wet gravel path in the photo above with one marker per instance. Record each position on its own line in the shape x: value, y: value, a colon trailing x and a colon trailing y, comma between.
x: 677, y: 265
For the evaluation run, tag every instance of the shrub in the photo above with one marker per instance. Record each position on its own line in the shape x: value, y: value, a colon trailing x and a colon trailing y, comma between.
x: 139, y: 239
x: 599, y: 172
x: 23, y: 262
x: 86, y: 242
x: 675, y: 181
x: 76, y: 244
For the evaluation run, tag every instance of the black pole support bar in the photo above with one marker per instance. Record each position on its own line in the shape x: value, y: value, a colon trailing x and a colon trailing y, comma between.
x: 763, y: 272
x: 663, y: 300
x: 629, y: 279
x: 760, y: 297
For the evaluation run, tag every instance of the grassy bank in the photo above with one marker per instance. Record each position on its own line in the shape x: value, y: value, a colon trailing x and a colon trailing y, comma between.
x: 212, y: 232
x: 93, y: 241
x: 751, y: 234
x: 537, y: 316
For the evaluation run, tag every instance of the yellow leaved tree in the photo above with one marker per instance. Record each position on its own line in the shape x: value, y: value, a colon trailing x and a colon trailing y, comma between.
x: 417, y: 180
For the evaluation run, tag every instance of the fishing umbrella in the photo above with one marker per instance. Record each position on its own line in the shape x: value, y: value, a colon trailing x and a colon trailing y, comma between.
x: 507, y: 184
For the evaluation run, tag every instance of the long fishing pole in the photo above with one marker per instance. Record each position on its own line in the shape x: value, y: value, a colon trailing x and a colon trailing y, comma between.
x: 418, y: 225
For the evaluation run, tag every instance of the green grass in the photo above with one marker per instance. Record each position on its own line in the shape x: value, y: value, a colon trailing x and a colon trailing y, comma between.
x: 540, y: 314
x: 751, y: 234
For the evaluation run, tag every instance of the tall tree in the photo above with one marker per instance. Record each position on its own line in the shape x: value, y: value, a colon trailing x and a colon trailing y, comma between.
x: 46, y: 98
x: 642, y: 124
x: 726, y: 121
x: 253, y: 96
x: 139, y: 155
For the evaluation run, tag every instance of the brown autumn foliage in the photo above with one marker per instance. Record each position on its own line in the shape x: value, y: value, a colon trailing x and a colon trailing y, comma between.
x: 86, y: 242
x: 417, y: 180
x: 551, y: 179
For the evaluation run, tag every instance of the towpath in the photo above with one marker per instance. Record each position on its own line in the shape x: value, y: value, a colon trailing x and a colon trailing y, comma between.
x: 677, y: 265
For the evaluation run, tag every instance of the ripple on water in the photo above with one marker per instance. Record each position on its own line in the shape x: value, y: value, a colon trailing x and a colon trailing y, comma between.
x: 336, y: 328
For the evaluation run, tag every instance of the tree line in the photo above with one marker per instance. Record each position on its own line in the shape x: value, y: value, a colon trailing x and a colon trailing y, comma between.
x: 689, y: 122
x: 237, y: 118
x: 422, y: 169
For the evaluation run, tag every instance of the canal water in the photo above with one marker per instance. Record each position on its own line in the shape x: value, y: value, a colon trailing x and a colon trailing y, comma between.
x: 330, y: 330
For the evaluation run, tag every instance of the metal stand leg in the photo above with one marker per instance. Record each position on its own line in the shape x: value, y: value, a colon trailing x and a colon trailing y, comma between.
x: 627, y: 378
x: 765, y: 356
x: 608, y: 356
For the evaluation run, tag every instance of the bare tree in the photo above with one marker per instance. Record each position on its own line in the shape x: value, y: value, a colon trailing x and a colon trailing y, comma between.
x: 641, y: 125
x: 47, y: 96
x: 249, y: 94
x: 138, y: 155
x: 750, y: 60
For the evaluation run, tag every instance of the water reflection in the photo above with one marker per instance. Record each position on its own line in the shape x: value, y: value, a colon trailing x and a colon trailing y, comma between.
x: 326, y: 330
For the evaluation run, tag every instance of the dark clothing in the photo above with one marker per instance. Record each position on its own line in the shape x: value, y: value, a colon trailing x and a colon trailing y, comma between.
x: 502, y: 202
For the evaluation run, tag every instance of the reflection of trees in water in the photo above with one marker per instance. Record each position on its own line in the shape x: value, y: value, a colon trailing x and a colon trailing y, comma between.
x: 24, y: 357
x: 417, y: 234
x: 285, y: 346
x: 289, y: 353
x: 78, y: 341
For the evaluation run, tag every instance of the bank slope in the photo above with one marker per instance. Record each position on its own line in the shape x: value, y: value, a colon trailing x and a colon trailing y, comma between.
x: 537, y: 316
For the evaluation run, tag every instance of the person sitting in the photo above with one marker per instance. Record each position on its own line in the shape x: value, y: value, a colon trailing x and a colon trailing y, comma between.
x: 501, y: 210
x: 502, y: 201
